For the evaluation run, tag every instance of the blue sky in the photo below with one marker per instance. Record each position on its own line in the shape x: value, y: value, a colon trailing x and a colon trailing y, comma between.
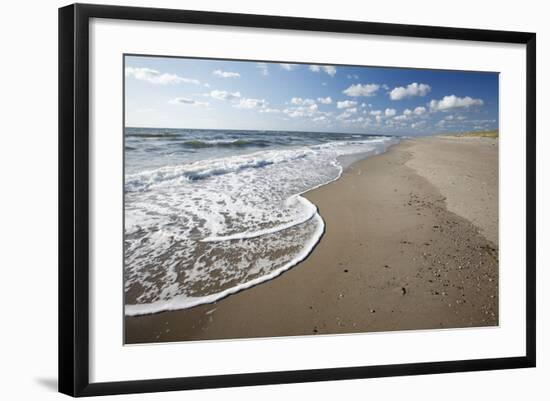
x: 218, y: 94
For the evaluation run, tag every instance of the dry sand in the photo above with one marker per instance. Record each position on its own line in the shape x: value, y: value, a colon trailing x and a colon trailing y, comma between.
x: 465, y: 171
x: 410, y: 243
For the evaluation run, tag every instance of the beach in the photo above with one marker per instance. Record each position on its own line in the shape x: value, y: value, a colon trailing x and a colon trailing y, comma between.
x: 410, y: 243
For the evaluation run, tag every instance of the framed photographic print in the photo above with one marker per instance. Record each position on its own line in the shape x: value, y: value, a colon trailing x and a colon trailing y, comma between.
x: 249, y: 199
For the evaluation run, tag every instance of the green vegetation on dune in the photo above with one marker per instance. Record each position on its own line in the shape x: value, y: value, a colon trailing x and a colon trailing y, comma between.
x: 479, y: 134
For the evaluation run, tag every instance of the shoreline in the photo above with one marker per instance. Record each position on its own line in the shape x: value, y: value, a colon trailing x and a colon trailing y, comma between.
x: 390, y: 259
x: 180, y: 303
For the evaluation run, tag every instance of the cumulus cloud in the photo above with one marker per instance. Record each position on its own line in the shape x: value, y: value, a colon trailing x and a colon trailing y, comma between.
x: 224, y: 95
x: 185, y: 100
x: 302, y: 102
x: 294, y: 113
x: 347, y: 113
x: 325, y: 100
x: 419, y: 124
x: 414, y: 89
x: 345, y: 104
x: 375, y: 112
x: 362, y: 90
x: 409, y: 114
x: 249, y: 103
x: 304, y: 108
x: 453, y: 102
x: 390, y: 112
x: 419, y: 110
x: 156, y: 77
x: 288, y: 67
x: 264, y: 70
x: 269, y: 110
x: 226, y: 74
x: 328, y: 69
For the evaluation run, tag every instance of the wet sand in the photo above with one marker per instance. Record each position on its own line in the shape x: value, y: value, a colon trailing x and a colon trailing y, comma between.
x: 411, y: 242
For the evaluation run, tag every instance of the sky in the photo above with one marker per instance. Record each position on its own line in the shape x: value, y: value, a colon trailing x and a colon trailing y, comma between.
x: 169, y: 92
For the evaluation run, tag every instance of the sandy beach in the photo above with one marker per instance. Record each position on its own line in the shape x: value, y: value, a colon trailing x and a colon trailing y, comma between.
x: 411, y: 242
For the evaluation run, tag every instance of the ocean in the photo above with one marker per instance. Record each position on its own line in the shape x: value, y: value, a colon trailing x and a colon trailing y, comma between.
x: 211, y: 212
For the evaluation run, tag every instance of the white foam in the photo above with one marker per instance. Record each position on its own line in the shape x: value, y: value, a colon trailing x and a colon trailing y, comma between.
x: 311, y: 210
x: 184, y: 302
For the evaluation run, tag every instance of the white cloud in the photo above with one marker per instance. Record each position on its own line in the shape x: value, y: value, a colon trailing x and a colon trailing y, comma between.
x: 345, y: 104
x: 288, y: 67
x: 390, y: 112
x: 269, y: 110
x: 185, y: 100
x: 453, y: 102
x: 410, y: 114
x: 264, y: 70
x: 419, y: 124
x: 362, y: 90
x: 299, y: 112
x: 352, y: 76
x: 249, y: 103
x: 226, y: 74
x: 224, y: 95
x: 302, y: 102
x: 414, y: 89
x: 419, y: 110
x: 328, y: 69
x: 315, y: 68
x: 305, y: 109
x: 325, y: 100
x: 347, y: 113
x: 156, y: 77
x: 375, y: 112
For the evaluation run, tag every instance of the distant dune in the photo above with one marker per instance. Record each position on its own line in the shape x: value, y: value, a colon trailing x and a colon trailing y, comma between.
x: 476, y: 134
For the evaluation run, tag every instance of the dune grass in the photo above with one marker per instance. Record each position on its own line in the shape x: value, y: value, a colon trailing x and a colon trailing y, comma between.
x: 478, y: 134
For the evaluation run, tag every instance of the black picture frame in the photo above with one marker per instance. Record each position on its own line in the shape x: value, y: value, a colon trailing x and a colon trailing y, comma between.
x: 74, y: 198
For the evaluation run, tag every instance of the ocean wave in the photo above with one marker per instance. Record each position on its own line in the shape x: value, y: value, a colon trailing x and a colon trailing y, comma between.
x: 155, y: 135
x: 236, y: 143
x: 209, y: 168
